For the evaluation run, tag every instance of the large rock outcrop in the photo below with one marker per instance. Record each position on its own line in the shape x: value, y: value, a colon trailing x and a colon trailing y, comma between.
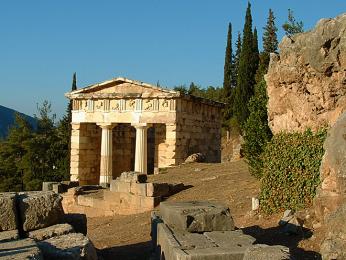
x: 332, y: 192
x: 307, y: 80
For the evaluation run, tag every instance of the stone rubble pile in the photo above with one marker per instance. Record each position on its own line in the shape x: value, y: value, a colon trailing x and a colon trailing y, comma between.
x: 204, y: 230
x: 33, y: 225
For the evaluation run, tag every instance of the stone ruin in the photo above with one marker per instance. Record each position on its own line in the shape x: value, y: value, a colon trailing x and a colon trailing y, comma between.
x: 204, y: 230
x: 33, y: 225
x: 130, y: 193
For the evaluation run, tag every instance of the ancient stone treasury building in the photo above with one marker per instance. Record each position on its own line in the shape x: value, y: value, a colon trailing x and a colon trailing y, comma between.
x: 124, y: 125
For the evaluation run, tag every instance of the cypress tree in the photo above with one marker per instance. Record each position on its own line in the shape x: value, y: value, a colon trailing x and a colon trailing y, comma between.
x: 227, y: 78
x: 235, y: 60
x: 246, y: 71
x: 255, y: 50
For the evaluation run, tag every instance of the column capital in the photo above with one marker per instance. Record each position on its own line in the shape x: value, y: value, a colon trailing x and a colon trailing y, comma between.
x: 141, y: 125
x: 106, y: 125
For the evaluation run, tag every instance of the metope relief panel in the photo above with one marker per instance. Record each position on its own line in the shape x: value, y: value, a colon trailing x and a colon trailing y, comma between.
x: 99, y: 105
x: 148, y: 104
x: 130, y: 104
x: 115, y: 105
x: 164, y: 105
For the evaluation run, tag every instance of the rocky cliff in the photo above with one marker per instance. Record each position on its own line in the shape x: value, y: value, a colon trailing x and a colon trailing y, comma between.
x: 307, y: 80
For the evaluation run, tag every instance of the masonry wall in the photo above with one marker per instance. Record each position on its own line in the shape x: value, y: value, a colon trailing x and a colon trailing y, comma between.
x: 85, y: 153
x: 198, y: 130
x: 124, y: 138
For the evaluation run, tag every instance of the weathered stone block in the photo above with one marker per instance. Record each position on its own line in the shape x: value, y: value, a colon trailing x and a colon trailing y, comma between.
x: 197, y: 216
x: 8, y: 211
x: 138, y: 188
x: 264, y: 252
x: 230, y: 239
x: 48, y: 185
x: 70, y: 246
x: 120, y: 186
x: 8, y: 236
x: 20, y: 249
x: 49, y: 232
x: 58, y: 188
x: 157, y: 189
x: 40, y: 209
x: 133, y: 177
x: 149, y: 202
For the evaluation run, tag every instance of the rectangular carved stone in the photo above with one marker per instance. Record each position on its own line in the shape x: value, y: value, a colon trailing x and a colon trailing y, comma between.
x: 40, y: 209
x: 197, y: 216
x: 120, y: 186
x: 20, y: 249
x: 157, y: 189
x: 8, y: 211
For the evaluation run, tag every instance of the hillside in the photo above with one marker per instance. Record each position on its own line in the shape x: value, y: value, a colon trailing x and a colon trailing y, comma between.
x: 7, y: 116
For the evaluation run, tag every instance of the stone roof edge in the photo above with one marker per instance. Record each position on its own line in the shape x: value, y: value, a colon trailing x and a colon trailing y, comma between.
x: 119, y: 79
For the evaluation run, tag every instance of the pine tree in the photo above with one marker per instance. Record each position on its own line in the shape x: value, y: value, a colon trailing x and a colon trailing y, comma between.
x: 292, y: 26
x: 246, y: 71
x: 227, y: 78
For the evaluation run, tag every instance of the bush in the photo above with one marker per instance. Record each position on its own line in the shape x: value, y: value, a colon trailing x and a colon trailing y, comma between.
x: 291, y: 164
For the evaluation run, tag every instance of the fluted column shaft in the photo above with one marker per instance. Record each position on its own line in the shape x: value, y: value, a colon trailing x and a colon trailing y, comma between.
x: 141, y: 154
x: 106, y: 170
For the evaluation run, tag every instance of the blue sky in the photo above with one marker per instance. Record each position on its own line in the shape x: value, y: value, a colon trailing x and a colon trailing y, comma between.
x: 174, y: 42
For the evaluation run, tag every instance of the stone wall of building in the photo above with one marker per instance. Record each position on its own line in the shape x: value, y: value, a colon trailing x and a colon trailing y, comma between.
x: 85, y: 153
x: 123, y: 148
x: 198, y: 130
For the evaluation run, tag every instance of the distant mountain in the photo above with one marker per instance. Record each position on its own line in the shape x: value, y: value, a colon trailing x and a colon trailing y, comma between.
x: 7, y: 116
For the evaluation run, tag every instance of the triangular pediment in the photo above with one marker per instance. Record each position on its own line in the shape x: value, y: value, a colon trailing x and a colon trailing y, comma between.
x: 121, y: 87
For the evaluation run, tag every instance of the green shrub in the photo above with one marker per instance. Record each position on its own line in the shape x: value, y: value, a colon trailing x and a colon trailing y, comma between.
x: 291, y: 164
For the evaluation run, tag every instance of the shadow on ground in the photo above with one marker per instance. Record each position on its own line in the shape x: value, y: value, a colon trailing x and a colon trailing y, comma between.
x: 276, y: 236
x: 139, y: 251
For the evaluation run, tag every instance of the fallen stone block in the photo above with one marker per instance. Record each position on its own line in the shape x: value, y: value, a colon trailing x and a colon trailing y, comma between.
x: 8, y: 211
x: 77, y: 221
x: 48, y: 185
x: 157, y: 189
x: 20, y: 249
x: 71, y: 246
x: 9, y: 235
x: 40, y: 209
x: 59, y: 188
x: 49, y: 232
x: 197, y: 216
x: 230, y: 239
x: 176, y: 244
x: 133, y: 177
x: 138, y: 188
x: 265, y: 252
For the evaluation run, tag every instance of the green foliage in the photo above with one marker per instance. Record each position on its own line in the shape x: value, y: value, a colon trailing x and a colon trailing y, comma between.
x: 181, y: 89
x: 292, y: 26
x: 227, y: 78
x: 257, y: 131
x: 248, y: 63
x: 291, y: 164
x: 270, y: 39
x: 28, y: 158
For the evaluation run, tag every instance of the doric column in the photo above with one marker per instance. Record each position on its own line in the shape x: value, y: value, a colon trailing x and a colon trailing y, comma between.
x: 141, y: 156
x: 106, y: 153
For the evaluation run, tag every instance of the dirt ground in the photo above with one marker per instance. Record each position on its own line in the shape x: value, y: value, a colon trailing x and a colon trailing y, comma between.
x: 128, y: 237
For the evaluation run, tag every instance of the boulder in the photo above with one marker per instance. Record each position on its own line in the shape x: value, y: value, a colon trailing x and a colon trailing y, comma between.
x: 196, y: 157
x: 332, y: 191
x: 20, y: 249
x: 306, y: 82
x: 334, y: 243
x: 265, y: 252
x: 49, y: 232
x: 197, y: 216
x: 68, y: 247
x: 8, y: 211
x: 40, y: 209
